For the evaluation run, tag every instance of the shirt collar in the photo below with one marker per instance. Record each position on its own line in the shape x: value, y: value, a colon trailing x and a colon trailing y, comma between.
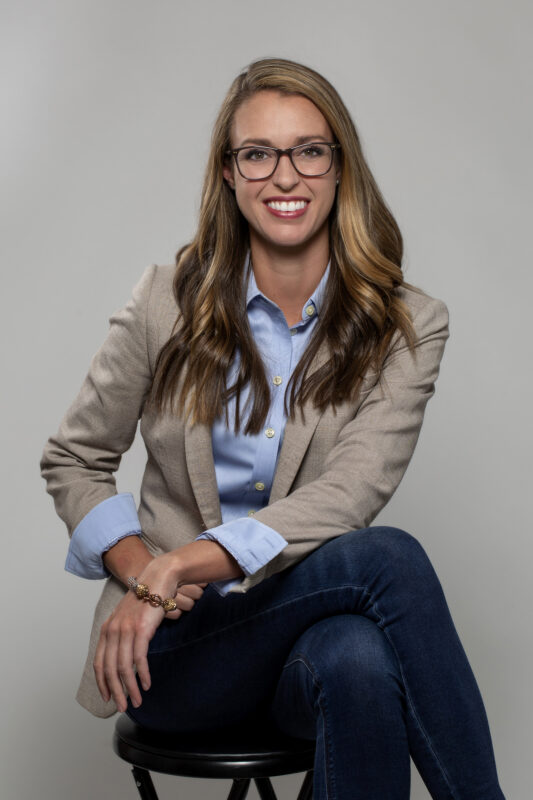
x: 316, y: 299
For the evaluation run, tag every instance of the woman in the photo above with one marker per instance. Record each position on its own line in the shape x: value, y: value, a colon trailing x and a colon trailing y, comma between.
x: 280, y: 371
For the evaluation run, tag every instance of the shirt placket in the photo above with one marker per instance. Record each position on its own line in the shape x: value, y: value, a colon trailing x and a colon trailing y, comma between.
x: 276, y: 352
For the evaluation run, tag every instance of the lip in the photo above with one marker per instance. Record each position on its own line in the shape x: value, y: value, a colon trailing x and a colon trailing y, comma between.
x: 287, y: 199
x: 280, y: 198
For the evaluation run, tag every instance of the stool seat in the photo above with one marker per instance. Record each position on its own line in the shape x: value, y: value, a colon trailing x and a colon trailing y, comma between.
x: 240, y: 754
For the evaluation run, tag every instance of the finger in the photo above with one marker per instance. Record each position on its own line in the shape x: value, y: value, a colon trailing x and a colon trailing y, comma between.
x: 111, y: 668
x: 174, y: 614
x: 191, y: 590
x: 140, y: 652
x: 125, y: 666
x: 183, y: 602
x: 98, y: 666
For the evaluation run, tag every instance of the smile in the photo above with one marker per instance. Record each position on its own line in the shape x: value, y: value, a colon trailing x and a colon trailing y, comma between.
x: 287, y: 205
x: 287, y: 209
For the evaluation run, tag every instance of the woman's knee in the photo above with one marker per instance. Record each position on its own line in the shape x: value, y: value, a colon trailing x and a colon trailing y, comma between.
x: 386, y: 546
x: 342, y: 669
x: 345, y: 649
x: 399, y: 544
x: 344, y: 662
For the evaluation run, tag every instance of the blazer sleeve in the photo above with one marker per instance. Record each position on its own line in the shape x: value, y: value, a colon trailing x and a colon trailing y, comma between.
x: 79, y: 461
x: 371, y: 454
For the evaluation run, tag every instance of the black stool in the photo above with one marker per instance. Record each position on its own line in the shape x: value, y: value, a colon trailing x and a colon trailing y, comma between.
x: 241, y: 755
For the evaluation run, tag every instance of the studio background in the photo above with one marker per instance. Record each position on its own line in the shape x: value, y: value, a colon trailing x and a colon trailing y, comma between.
x: 107, y: 109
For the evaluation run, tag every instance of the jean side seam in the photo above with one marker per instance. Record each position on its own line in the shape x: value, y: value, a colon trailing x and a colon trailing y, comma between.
x: 324, y: 709
x: 411, y: 702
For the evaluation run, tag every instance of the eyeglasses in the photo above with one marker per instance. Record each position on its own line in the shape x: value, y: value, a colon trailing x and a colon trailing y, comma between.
x: 256, y: 163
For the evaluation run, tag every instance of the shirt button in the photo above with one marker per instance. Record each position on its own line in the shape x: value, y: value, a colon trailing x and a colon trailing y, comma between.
x: 277, y: 380
x: 251, y: 513
x: 270, y: 432
x: 260, y: 486
x: 294, y: 331
x: 310, y: 310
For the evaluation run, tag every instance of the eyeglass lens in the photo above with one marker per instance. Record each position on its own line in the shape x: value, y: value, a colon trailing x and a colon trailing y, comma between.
x: 260, y: 162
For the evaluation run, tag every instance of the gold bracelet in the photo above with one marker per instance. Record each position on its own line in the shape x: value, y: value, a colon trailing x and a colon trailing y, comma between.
x: 143, y: 593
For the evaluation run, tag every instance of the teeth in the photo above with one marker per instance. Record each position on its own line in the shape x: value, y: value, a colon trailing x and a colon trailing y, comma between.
x: 283, y: 205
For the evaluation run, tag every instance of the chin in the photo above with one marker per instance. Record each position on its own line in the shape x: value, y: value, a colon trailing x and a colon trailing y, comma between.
x: 288, y: 238
x: 288, y: 243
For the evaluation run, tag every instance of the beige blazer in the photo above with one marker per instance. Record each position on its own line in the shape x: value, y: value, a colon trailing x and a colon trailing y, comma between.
x: 335, y: 470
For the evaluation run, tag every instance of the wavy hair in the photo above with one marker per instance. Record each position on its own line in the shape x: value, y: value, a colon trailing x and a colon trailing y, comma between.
x: 361, y: 312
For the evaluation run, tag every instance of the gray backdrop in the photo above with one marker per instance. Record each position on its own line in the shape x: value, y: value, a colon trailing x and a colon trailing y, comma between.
x: 107, y: 109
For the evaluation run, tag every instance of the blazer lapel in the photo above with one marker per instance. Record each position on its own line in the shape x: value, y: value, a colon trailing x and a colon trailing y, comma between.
x: 298, y: 434
x: 201, y: 469
x: 295, y: 443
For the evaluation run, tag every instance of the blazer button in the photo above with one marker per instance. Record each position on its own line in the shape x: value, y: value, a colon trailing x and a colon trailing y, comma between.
x: 251, y: 513
x: 260, y: 486
x: 270, y: 432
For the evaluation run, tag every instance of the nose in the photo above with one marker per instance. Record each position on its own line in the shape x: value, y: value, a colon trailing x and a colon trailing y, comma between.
x: 285, y: 176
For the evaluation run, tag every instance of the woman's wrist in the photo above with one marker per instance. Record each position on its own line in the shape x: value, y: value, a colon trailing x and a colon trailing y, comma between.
x: 204, y: 560
x: 161, y: 575
x: 142, y: 592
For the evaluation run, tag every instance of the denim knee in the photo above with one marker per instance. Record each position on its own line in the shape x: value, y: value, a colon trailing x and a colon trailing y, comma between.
x: 386, y: 547
x: 347, y: 645
x: 395, y: 542
x: 344, y: 661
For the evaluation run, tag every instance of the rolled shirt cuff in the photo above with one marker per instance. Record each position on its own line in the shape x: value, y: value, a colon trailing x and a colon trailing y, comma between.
x: 106, y: 524
x: 252, y: 543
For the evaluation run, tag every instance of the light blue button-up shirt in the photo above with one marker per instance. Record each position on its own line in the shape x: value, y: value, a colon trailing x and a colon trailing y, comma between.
x: 244, y: 464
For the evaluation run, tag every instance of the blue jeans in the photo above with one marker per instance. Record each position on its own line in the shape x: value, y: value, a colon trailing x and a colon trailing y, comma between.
x: 353, y: 646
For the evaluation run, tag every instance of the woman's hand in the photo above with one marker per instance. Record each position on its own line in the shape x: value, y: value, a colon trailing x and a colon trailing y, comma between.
x: 186, y: 597
x: 126, y: 634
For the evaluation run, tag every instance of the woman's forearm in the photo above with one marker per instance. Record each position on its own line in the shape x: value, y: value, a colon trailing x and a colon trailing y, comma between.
x: 205, y: 561
x: 126, y: 558
x: 200, y: 561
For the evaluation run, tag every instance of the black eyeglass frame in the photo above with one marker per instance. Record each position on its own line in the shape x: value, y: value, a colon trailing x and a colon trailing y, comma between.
x: 287, y: 152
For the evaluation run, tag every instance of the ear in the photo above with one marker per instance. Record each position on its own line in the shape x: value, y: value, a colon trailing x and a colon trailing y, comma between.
x: 228, y: 174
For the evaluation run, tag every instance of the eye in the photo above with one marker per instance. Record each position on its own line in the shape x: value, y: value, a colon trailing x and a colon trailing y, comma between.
x: 255, y: 154
x: 311, y: 151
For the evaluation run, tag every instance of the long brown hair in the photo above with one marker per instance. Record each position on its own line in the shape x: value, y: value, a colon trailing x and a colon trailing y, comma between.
x: 362, y: 310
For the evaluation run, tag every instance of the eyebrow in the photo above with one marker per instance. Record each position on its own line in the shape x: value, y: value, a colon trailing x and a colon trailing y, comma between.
x: 300, y: 140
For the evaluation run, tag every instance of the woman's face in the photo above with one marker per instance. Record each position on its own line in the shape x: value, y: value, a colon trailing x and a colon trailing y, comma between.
x: 277, y: 120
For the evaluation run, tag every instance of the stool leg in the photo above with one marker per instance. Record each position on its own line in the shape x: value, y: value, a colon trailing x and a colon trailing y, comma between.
x: 265, y: 789
x: 239, y: 789
x: 143, y: 782
x: 306, y: 792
